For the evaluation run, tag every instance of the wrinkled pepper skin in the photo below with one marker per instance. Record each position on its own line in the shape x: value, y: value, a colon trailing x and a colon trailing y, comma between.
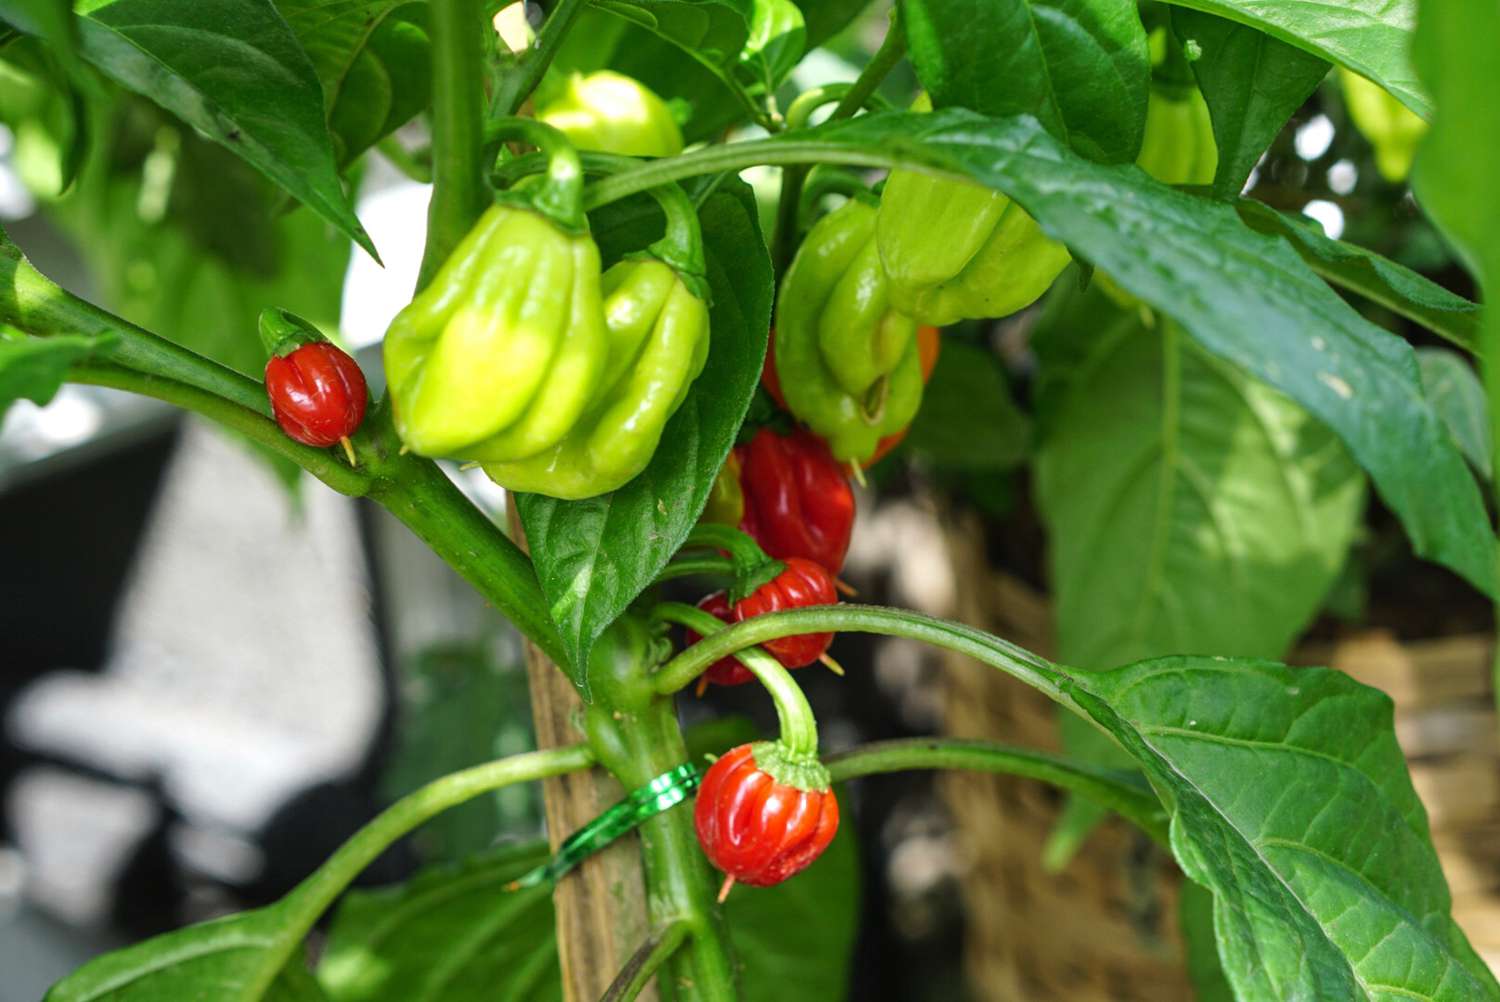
x: 798, y: 502
x: 929, y: 346
x: 762, y: 815
x: 658, y: 341
x: 802, y: 584
x: 317, y: 394
x: 498, y: 357
x: 1391, y: 127
x: 608, y: 112
x: 846, y: 362
x: 955, y: 251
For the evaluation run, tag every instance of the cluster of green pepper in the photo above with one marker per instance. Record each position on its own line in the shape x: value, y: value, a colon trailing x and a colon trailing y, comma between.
x: 520, y: 355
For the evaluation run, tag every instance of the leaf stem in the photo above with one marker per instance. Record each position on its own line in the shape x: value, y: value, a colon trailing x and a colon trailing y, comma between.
x: 1053, y: 680
x: 518, y: 85
x: 1125, y: 793
x: 459, y: 194
x: 687, y: 567
x: 313, y: 896
x: 799, y: 728
x: 321, y: 463
x: 647, y: 959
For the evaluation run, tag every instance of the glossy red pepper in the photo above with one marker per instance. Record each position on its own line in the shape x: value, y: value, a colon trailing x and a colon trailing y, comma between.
x: 803, y: 583
x: 763, y: 816
x: 798, y: 502
x: 317, y: 393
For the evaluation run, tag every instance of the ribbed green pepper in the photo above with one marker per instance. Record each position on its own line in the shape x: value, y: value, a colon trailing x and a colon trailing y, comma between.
x: 607, y: 112
x: 1178, y: 146
x: 499, y: 355
x: 959, y: 251
x: 1391, y: 127
x: 846, y: 359
x: 658, y: 341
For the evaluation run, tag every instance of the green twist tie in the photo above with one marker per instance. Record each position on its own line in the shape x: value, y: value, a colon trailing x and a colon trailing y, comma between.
x: 640, y: 805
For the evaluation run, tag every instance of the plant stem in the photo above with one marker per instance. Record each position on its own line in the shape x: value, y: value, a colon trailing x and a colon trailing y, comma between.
x: 459, y: 194
x: 1122, y: 792
x: 1035, y: 671
x: 324, y: 464
x: 313, y: 896
x: 33, y: 303
x: 799, y: 727
x: 687, y: 567
x: 645, y: 962
x: 517, y: 86
x: 637, y: 746
x: 792, y: 178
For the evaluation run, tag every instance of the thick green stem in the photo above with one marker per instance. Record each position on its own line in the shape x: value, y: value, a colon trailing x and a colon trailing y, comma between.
x: 799, y: 727
x: 687, y: 567
x: 1033, y: 670
x: 459, y: 194
x: 325, y: 464
x: 1122, y: 792
x: 637, y: 745
x: 560, y: 195
x: 313, y: 896
x: 518, y: 85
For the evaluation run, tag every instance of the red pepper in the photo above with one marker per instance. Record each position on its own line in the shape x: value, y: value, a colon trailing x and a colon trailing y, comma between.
x: 798, y: 502
x: 762, y: 816
x: 803, y: 583
x: 317, y: 393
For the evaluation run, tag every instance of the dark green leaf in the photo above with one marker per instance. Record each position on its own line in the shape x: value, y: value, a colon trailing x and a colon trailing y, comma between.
x: 1245, y: 297
x: 717, y: 29
x: 1291, y: 802
x: 233, y: 70
x: 1456, y: 392
x: 49, y: 20
x: 1371, y: 37
x: 1080, y: 66
x: 594, y: 557
x: 1379, y: 279
x: 1252, y: 83
x: 968, y: 420
x: 374, y: 61
x: 34, y: 368
x: 777, y: 40
x: 1195, y: 918
x: 453, y: 933
x: 826, y: 18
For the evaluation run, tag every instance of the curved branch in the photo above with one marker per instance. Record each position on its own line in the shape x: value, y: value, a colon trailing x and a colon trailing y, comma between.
x: 1124, y: 793
x: 646, y: 961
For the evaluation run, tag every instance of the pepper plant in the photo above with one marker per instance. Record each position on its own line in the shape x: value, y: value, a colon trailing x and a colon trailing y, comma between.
x: 596, y: 309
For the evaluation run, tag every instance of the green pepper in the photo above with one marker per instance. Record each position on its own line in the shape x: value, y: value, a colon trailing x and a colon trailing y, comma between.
x: 954, y: 250
x: 1391, y: 127
x: 500, y: 354
x: 1178, y: 145
x: 656, y: 316
x: 846, y: 360
x: 608, y: 112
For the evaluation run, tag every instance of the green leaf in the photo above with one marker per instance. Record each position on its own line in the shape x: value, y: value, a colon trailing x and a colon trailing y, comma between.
x: 826, y: 18
x: 968, y: 420
x: 777, y: 40
x: 1371, y: 37
x: 1290, y: 801
x: 1195, y: 918
x: 233, y: 70
x: 716, y: 29
x: 49, y: 20
x: 1379, y: 279
x: 594, y: 557
x: 453, y: 933
x: 1245, y: 297
x: 374, y: 61
x: 1253, y: 83
x: 1080, y: 66
x: 1189, y: 507
x: 34, y: 368
x: 1456, y: 392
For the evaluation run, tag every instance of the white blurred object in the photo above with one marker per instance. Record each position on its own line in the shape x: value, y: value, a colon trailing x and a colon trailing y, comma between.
x: 1328, y: 215
x: 395, y: 215
x: 1314, y: 137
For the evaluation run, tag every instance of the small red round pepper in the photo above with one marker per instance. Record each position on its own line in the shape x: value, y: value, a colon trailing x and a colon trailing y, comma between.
x: 317, y: 393
x: 798, y: 502
x: 762, y: 815
x: 803, y: 583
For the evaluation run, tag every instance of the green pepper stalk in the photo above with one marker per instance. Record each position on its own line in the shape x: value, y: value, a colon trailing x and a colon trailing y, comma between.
x: 752, y: 566
x: 655, y: 311
x: 799, y: 727
x: 560, y: 196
